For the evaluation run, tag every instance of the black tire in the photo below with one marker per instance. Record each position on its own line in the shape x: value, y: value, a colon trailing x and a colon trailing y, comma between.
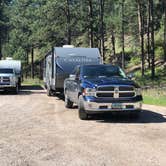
x: 19, y: 82
x: 81, y: 111
x: 68, y: 102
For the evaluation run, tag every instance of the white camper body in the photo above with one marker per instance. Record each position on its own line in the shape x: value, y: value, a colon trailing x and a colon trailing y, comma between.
x: 10, y: 74
x: 11, y: 64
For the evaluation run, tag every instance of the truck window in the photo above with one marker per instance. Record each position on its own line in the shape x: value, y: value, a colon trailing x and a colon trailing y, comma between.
x: 103, y: 71
x: 8, y: 71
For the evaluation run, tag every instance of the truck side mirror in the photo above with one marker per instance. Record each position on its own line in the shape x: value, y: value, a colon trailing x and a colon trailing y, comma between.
x: 130, y: 76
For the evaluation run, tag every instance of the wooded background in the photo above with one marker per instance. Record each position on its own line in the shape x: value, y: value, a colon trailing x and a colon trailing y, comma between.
x: 127, y: 32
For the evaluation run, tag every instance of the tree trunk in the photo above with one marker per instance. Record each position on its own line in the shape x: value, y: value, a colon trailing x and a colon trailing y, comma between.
x: 141, y: 32
x: 152, y: 40
x: 90, y: 23
x: 32, y: 62
x: 113, y: 42
x: 68, y: 22
x: 148, y: 36
x: 41, y: 70
x: 122, y: 37
x: 27, y: 56
x: 102, y: 29
x: 164, y: 2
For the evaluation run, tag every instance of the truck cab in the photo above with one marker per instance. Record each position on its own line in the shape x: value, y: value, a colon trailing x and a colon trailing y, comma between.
x: 8, y: 80
x: 101, y: 89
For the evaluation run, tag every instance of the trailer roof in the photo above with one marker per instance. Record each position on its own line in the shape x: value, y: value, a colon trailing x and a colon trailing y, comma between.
x: 77, y: 51
x: 11, y: 64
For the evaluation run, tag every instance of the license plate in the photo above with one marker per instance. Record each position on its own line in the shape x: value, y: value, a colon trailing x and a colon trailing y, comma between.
x: 116, y: 105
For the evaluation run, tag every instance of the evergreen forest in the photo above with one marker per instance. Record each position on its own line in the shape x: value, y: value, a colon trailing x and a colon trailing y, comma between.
x: 130, y: 33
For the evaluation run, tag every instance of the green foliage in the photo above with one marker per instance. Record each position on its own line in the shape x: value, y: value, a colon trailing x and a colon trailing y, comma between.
x: 155, y: 96
x: 159, y: 52
x: 135, y: 60
x: 160, y: 79
x: 42, y: 24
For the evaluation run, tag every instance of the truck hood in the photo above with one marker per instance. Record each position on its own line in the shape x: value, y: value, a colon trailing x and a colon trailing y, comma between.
x: 104, y: 81
x: 6, y: 75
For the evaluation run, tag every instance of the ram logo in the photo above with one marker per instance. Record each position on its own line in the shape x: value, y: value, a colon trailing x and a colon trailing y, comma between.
x: 116, y: 92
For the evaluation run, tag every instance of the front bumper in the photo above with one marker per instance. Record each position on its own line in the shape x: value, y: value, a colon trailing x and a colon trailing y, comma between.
x: 102, y: 107
x: 6, y: 86
x: 96, y: 106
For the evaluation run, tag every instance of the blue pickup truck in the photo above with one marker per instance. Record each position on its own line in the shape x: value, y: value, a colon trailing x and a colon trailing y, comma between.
x: 100, y: 89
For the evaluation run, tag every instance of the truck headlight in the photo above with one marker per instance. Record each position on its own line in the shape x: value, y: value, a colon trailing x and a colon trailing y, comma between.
x: 138, y: 91
x: 89, y: 92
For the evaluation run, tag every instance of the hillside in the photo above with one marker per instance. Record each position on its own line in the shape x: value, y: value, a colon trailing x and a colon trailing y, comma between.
x: 128, y: 33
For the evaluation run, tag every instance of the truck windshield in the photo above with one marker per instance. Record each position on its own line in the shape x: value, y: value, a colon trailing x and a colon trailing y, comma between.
x: 103, y: 71
x: 4, y: 71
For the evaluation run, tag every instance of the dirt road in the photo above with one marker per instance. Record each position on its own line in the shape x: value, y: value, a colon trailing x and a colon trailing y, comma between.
x: 36, y: 130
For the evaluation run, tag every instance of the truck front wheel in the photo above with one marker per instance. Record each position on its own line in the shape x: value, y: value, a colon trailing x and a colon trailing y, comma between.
x: 68, y: 102
x: 81, y: 111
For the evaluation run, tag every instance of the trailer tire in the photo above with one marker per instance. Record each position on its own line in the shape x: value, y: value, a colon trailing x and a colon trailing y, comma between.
x: 68, y: 102
x: 81, y: 111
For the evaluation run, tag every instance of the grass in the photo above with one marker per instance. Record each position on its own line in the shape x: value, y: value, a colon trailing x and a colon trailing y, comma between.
x: 155, y: 96
x: 32, y: 82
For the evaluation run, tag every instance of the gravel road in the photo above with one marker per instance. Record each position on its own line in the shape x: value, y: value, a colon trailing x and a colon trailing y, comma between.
x: 36, y: 130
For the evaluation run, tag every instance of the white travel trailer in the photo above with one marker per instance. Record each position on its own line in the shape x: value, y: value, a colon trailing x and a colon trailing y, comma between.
x: 10, y: 74
x: 61, y: 61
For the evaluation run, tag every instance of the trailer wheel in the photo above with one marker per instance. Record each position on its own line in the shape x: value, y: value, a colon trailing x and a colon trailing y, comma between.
x: 68, y: 102
x: 81, y: 111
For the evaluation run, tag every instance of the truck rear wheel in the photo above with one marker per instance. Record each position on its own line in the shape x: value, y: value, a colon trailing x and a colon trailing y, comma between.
x: 68, y: 102
x: 81, y: 111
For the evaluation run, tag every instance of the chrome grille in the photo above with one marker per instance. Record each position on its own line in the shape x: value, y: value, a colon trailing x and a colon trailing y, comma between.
x: 126, y: 88
x: 115, y: 91
x: 105, y: 94
x: 128, y: 94
x: 105, y: 88
x: 4, y: 79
